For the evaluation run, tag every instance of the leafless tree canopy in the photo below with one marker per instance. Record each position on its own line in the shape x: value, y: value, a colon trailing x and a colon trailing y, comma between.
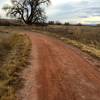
x: 30, y: 11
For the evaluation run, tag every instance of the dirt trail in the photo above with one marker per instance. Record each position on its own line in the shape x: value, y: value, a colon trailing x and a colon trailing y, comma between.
x: 59, y: 73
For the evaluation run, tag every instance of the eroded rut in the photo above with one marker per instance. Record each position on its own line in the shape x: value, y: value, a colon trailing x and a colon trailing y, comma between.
x: 59, y: 73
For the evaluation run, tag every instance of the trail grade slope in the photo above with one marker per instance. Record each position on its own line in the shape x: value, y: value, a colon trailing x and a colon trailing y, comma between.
x: 59, y: 72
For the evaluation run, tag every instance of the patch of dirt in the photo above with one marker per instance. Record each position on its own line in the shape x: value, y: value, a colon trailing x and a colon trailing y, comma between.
x: 58, y: 72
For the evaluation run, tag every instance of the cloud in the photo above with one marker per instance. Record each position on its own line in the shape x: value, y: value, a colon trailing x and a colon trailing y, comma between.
x: 91, y: 20
x: 73, y: 10
x: 2, y: 3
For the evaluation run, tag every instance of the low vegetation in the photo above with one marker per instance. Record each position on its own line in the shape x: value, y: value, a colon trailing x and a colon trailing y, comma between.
x: 86, y: 48
x: 87, y: 38
x: 14, y: 55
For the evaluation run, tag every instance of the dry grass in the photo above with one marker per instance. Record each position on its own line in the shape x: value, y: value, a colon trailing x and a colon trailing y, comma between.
x: 87, y: 38
x: 15, y: 53
x: 85, y: 34
x: 89, y: 49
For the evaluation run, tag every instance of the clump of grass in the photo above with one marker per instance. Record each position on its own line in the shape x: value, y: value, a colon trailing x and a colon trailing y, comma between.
x: 86, y: 38
x: 89, y: 49
x: 84, y: 34
x: 15, y: 60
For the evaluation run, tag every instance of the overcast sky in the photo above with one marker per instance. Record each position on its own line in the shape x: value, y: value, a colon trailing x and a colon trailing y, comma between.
x: 75, y: 11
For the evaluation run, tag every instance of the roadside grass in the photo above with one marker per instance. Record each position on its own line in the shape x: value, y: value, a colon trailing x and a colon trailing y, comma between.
x: 87, y: 38
x: 88, y: 49
x: 14, y: 57
x: 86, y: 34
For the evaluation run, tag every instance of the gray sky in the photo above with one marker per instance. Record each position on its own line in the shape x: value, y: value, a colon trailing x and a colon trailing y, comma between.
x: 75, y: 11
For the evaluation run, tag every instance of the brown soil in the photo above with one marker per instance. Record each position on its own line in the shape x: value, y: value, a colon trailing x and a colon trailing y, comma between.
x: 59, y: 72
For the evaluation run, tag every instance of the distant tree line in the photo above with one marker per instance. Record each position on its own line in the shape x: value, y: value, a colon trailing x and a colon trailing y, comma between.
x: 57, y: 23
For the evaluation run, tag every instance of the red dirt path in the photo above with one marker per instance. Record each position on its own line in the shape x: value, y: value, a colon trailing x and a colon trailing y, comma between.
x: 58, y: 72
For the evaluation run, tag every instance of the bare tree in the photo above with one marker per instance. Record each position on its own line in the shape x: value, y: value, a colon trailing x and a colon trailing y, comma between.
x: 30, y: 11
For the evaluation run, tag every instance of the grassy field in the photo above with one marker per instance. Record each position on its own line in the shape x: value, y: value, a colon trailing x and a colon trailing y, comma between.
x: 14, y: 55
x: 15, y: 50
x: 87, y: 38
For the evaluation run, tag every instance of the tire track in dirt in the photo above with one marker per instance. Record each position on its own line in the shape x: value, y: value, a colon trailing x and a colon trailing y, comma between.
x: 61, y: 74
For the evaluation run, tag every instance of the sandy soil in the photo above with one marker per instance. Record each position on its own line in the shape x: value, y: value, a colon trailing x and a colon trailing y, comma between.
x: 58, y: 72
